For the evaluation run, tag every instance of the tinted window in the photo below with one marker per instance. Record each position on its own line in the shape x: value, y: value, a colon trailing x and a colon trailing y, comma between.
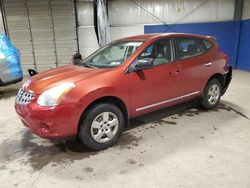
x: 188, y: 47
x: 160, y: 52
x: 207, y: 44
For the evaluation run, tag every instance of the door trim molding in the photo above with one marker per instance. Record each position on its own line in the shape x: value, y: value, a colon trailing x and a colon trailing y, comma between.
x: 167, y: 101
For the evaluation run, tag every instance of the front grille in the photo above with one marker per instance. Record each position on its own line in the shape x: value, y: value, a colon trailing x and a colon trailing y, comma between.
x: 24, y: 97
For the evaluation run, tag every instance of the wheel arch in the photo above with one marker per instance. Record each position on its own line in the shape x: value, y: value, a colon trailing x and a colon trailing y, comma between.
x: 107, y: 99
x: 217, y: 76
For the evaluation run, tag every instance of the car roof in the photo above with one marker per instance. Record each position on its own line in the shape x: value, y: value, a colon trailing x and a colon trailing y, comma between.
x: 151, y: 36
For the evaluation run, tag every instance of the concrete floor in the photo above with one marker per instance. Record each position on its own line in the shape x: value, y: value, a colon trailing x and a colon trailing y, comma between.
x: 177, y: 147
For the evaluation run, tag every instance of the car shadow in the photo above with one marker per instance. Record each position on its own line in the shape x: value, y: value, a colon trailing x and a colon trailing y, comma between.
x: 159, y: 115
x: 186, y: 109
x: 41, y: 152
x: 9, y: 91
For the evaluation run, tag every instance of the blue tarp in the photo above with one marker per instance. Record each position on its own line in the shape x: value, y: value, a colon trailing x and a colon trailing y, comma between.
x: 10, y: 67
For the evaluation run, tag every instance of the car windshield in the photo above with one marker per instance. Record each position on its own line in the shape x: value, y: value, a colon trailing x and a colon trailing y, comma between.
x: 112, y: 55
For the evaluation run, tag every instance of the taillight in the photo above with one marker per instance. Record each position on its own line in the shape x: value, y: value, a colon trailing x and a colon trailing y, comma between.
x: 226, y: 67
x: 226, y: 58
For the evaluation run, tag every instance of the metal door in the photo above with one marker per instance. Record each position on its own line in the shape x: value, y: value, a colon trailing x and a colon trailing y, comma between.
x: 44, y: 31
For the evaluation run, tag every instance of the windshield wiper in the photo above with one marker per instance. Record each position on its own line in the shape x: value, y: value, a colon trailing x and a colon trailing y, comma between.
x: 88, y: 65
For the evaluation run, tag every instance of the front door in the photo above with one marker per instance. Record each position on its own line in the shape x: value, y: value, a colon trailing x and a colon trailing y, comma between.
x: 159, y: 86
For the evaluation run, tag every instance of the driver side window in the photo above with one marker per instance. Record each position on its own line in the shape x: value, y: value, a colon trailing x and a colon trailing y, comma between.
x: 159, y: 51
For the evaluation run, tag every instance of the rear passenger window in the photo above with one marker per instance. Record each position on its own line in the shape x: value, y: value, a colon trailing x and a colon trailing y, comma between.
x: 207, y: 44
x: 188, y: 47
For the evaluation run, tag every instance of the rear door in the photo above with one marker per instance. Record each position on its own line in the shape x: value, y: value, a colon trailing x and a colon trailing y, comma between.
x: 194, y: 66
x: 159, y: 86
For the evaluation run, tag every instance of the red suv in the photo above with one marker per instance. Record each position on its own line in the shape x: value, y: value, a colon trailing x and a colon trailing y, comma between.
x: 94, y: 99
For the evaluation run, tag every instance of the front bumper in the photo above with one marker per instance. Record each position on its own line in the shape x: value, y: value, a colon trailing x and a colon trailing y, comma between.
x: 227, y: 80
x: 60, y: 122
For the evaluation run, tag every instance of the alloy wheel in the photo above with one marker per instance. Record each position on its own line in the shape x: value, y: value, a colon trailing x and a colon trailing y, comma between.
x: 104, y: 127
x: 213, y: 94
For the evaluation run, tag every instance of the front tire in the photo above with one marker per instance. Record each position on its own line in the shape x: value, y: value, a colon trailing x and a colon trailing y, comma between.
x: 101, y: 126
x: 211, y: 95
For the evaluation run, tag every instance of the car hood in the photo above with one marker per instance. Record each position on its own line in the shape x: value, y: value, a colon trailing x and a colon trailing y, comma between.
x: 69, y: 73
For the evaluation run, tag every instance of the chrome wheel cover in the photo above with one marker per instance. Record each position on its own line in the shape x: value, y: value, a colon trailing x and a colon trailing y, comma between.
x: 104, y: 127
x: 213, y: 94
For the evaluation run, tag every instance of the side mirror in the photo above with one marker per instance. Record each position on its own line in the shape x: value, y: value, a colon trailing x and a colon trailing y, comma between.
x: 32, y: 72
x: 145, y: 63
x: 77, y: 56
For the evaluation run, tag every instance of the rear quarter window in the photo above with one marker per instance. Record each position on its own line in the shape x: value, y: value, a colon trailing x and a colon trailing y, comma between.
x: 207, y: 44
x: 188, y: 47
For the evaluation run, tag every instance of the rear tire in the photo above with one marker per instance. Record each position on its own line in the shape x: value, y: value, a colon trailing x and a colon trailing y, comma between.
x: 101, y: 126
x: 211, y: 95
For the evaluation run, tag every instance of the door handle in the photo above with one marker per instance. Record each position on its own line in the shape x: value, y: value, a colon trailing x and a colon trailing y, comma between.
x: 208, y: 64
x: 174, y: 73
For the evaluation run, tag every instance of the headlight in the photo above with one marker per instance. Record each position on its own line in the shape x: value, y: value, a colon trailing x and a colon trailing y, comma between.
x: 54, y: 95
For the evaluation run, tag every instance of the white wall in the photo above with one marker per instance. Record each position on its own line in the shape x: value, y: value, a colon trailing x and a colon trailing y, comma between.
x: 1, y: 23
x: 127, y: 19
x: 246, y: 9
x: 86, y: 33
x: 125, y: 12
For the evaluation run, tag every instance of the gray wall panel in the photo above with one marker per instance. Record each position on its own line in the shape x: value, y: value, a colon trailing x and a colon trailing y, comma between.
x: 44, y: 31
x: 246, y: 9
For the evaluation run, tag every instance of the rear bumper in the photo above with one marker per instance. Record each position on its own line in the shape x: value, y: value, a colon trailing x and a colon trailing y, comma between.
x: 10, y: 82
x: 227, y: 79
